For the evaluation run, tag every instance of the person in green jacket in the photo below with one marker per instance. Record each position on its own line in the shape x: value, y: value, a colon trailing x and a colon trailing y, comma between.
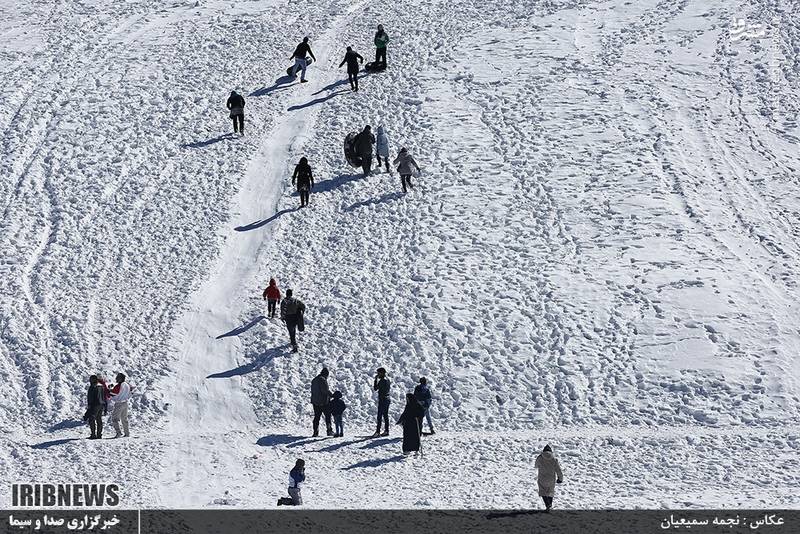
x: 381, y: 40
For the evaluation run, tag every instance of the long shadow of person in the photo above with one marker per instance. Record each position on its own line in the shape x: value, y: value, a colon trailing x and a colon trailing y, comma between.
x: 242, y: 329
x: 257, y: 363
x: 201, y: 144
x: 281, y: 83
x: 258, y: 224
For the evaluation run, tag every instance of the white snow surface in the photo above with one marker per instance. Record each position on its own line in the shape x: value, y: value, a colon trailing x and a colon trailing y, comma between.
x: 601, y: 252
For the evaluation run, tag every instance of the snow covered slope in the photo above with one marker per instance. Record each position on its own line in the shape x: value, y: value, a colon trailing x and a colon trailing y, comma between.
x: 601, y: 252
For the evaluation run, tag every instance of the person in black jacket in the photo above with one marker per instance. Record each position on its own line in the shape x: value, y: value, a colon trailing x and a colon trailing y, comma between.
x: 363, y: 148
x: 351, y: 57
x: 381, y: 385
x: 412, y: 424
x: 95, y: 404
x: 320, y: 399
x: 299, y: 56
x: 337, y: 409
x: 292, y: 310
x: 236, y: 105
x: 304, y: 179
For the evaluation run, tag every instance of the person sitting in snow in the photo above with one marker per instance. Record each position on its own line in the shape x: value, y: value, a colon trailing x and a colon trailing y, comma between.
x: 337, y: 410
x: 297, y: 476
x: 272, y: 295
x: 549, y: 475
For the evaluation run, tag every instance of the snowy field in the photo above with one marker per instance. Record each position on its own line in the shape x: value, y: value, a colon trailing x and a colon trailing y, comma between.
x: 601, y: 252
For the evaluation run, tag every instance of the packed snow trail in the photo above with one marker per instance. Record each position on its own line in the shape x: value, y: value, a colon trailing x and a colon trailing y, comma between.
x: 600, y: 253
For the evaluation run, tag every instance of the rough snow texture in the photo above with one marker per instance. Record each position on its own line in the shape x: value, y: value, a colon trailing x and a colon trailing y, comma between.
x: 600, y: 253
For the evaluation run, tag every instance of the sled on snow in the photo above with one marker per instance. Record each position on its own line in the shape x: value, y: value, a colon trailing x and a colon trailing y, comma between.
x: 350, y: 150
x: 374, y: 66
x: 290, y: 70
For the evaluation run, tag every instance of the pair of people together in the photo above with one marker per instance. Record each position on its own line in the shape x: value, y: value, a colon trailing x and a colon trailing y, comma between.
x: 98, y: 397
x: 327, y: 404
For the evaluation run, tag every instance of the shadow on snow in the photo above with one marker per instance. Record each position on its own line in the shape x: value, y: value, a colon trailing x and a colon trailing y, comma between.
x: 255, y: 365
x: 242, y: 329
x: 259, y: 224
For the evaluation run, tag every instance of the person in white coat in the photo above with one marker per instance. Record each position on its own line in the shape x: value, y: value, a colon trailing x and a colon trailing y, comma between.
x: 382, y: 147
x: 549, y: 475
x: 120, y: 394
x: 405, y: 166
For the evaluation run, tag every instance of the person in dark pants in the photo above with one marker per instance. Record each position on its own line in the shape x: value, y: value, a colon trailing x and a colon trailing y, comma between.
x: 423, y: 395
x: 299, y: 56
x: 272, y: 295
x: 321, y: 399
x: 305, y: 181
x: 363, y: 148
x: 337, y: 410
x: 405, y: 166
x: 292, y: 310
x: 95, y: 405
x: 236, y: 105
x: 352, y: 58
x: 412, y: 424
x: 381, y: 40
x: 381, y: 385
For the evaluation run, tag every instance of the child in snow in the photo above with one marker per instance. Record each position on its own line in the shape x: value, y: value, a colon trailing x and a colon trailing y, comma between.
x: 405, y: 166
x: 272, y: 295
x: 337, y: 409
x: 382, y: 147
x: 296, y: 478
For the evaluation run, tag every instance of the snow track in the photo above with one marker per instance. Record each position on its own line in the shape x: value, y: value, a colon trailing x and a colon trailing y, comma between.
x: 601, y: 252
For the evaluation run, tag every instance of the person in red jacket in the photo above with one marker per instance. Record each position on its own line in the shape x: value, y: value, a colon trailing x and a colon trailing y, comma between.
x: 272, y: 295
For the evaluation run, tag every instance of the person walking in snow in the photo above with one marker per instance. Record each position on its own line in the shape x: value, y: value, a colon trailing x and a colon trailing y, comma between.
x: 292, y: 310
x: 405, y: 166
x: 304, y: 179
x: 423, y: 395
x: 363, y: 148
x: 411, y: 419
x: 321, y: 400
x: 272, y: 295
x: 300, y: 54
x: 337, y: 410
x: 95, y: 404
x: 235, y: 104
x: 382, y: 386
x: 352, y: 58
x: 297, y: 477
x: 121, y: 394
x: 382, y: 147
x: 549, y: 475
x: 381, y: 40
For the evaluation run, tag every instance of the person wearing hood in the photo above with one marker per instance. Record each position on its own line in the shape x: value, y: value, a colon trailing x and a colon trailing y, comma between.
x: 351, y: 57
x: 299, y: 56
x: 411, y: 419
x: 321, y: 400
x: 337, y: 410
x: 235, y: 104
x: 381, y: 40
x: 363, y: 148
x: 304, y: 179
x: 272, y: 295
x: 382, y: 147
x: 405, y: 166
x: 549, y: 475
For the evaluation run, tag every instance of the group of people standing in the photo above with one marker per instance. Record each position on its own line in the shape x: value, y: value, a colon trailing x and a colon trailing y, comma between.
x: 100, y: 399
x: 292, y: 310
